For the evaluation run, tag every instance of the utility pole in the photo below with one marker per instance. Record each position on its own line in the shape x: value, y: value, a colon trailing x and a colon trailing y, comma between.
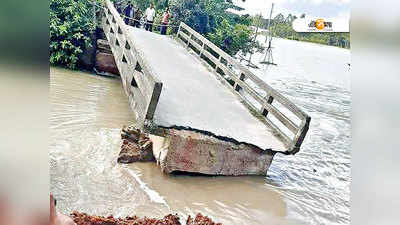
x: 255, y: 39
x: 269, y: 23
x: 256, y: 22
x: 268, y: 38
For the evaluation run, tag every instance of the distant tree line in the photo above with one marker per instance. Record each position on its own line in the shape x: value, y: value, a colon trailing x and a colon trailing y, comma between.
x: 281, y: 26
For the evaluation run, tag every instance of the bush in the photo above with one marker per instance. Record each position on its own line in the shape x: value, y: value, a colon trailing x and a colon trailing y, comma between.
x: 192, y: 13
x: 72, y: 23
x: 234, y: 38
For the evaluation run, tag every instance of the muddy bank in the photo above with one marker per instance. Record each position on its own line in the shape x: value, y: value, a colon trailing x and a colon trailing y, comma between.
x: 84, y: 219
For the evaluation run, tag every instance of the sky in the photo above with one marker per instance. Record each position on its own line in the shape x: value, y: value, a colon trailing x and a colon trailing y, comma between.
x: 313, y: 8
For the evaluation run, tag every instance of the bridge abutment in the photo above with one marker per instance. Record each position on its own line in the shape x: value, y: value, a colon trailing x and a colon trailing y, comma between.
x: 181, y: 150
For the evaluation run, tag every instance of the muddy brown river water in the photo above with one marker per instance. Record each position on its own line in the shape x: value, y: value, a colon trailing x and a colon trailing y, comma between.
x: 311, y: 187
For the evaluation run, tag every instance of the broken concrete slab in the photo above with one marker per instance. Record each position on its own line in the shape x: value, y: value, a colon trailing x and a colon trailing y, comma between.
x: 193, y: 151
x: 196, y: 152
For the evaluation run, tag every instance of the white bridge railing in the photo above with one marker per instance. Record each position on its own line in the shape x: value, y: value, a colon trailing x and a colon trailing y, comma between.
x: 291, y: 127
x: 140, y: 82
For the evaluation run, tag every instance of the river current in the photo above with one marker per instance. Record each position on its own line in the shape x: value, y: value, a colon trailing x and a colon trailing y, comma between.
x: 311, y: 187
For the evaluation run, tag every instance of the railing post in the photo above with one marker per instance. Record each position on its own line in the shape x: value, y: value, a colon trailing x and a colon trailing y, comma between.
x: 217, y: 65
x: 190, y: 38
x: 237, y: 87
x: 179, y: 29
x: 301, y: 134
x: 269, y: 101
x: 202, y: 48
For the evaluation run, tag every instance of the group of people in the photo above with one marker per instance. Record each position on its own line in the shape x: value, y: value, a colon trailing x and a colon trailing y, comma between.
x: 133, y: 17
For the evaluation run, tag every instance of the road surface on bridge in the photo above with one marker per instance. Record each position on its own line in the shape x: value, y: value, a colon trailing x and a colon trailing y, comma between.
x: 192, y: 95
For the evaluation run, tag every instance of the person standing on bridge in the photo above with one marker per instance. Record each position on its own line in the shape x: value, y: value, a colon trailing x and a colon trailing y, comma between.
x: 164, y: 21
x: 129, y: 14
x: 150, y: 14
x: 138, y: 16
x: 118, y: 6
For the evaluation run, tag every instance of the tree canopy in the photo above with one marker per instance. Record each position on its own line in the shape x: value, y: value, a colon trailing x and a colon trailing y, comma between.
x: 211, y: 18
x: 73, y: 23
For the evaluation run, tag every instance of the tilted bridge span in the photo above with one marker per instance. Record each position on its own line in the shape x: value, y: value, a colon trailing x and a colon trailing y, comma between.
x: 185, y: 86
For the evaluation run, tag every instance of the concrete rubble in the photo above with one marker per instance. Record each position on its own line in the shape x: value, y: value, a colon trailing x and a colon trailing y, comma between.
x: 136, y: 146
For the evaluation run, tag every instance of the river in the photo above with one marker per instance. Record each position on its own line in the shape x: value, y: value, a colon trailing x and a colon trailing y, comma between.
x: 311, y: 187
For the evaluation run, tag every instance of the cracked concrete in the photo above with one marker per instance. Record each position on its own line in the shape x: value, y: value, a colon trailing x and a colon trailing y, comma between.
x: 185, y: 150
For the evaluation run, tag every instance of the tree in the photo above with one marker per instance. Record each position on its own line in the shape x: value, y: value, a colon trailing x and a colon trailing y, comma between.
x: 72, y: 24
x: 279, y: 18
x: 211, y: 19
x: 201, y: 15
x: 234, y: 38
x: 191, y: 12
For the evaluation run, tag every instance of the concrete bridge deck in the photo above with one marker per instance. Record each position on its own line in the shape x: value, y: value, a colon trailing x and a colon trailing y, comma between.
x: 192, y: 96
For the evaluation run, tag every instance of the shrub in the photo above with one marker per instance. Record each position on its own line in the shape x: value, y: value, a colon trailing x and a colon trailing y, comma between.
x: 72, y: 23
x: 234, y: 38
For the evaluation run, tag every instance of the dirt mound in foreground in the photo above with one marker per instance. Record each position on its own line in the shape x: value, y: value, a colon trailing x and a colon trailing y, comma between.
x: 84, y: 219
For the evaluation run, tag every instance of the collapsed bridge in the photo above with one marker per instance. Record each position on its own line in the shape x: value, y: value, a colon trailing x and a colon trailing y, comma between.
x: 206, y: 112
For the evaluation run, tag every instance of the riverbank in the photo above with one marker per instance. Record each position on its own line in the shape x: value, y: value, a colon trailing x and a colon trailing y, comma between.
x: 293, y: 38
x: 300, y: 39
x: 321, y: 42
x: 84, y: 219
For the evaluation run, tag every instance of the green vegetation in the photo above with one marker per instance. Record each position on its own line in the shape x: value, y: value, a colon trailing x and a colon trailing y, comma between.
x: 282, y: 27
x: 230, y: 32
x: 143, y: 4
x: 238, y: 37
x: 72, y: 25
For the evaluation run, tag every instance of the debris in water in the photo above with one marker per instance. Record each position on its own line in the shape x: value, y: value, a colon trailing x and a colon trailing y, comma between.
x: 136, y: 146
x: 84, y: 219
